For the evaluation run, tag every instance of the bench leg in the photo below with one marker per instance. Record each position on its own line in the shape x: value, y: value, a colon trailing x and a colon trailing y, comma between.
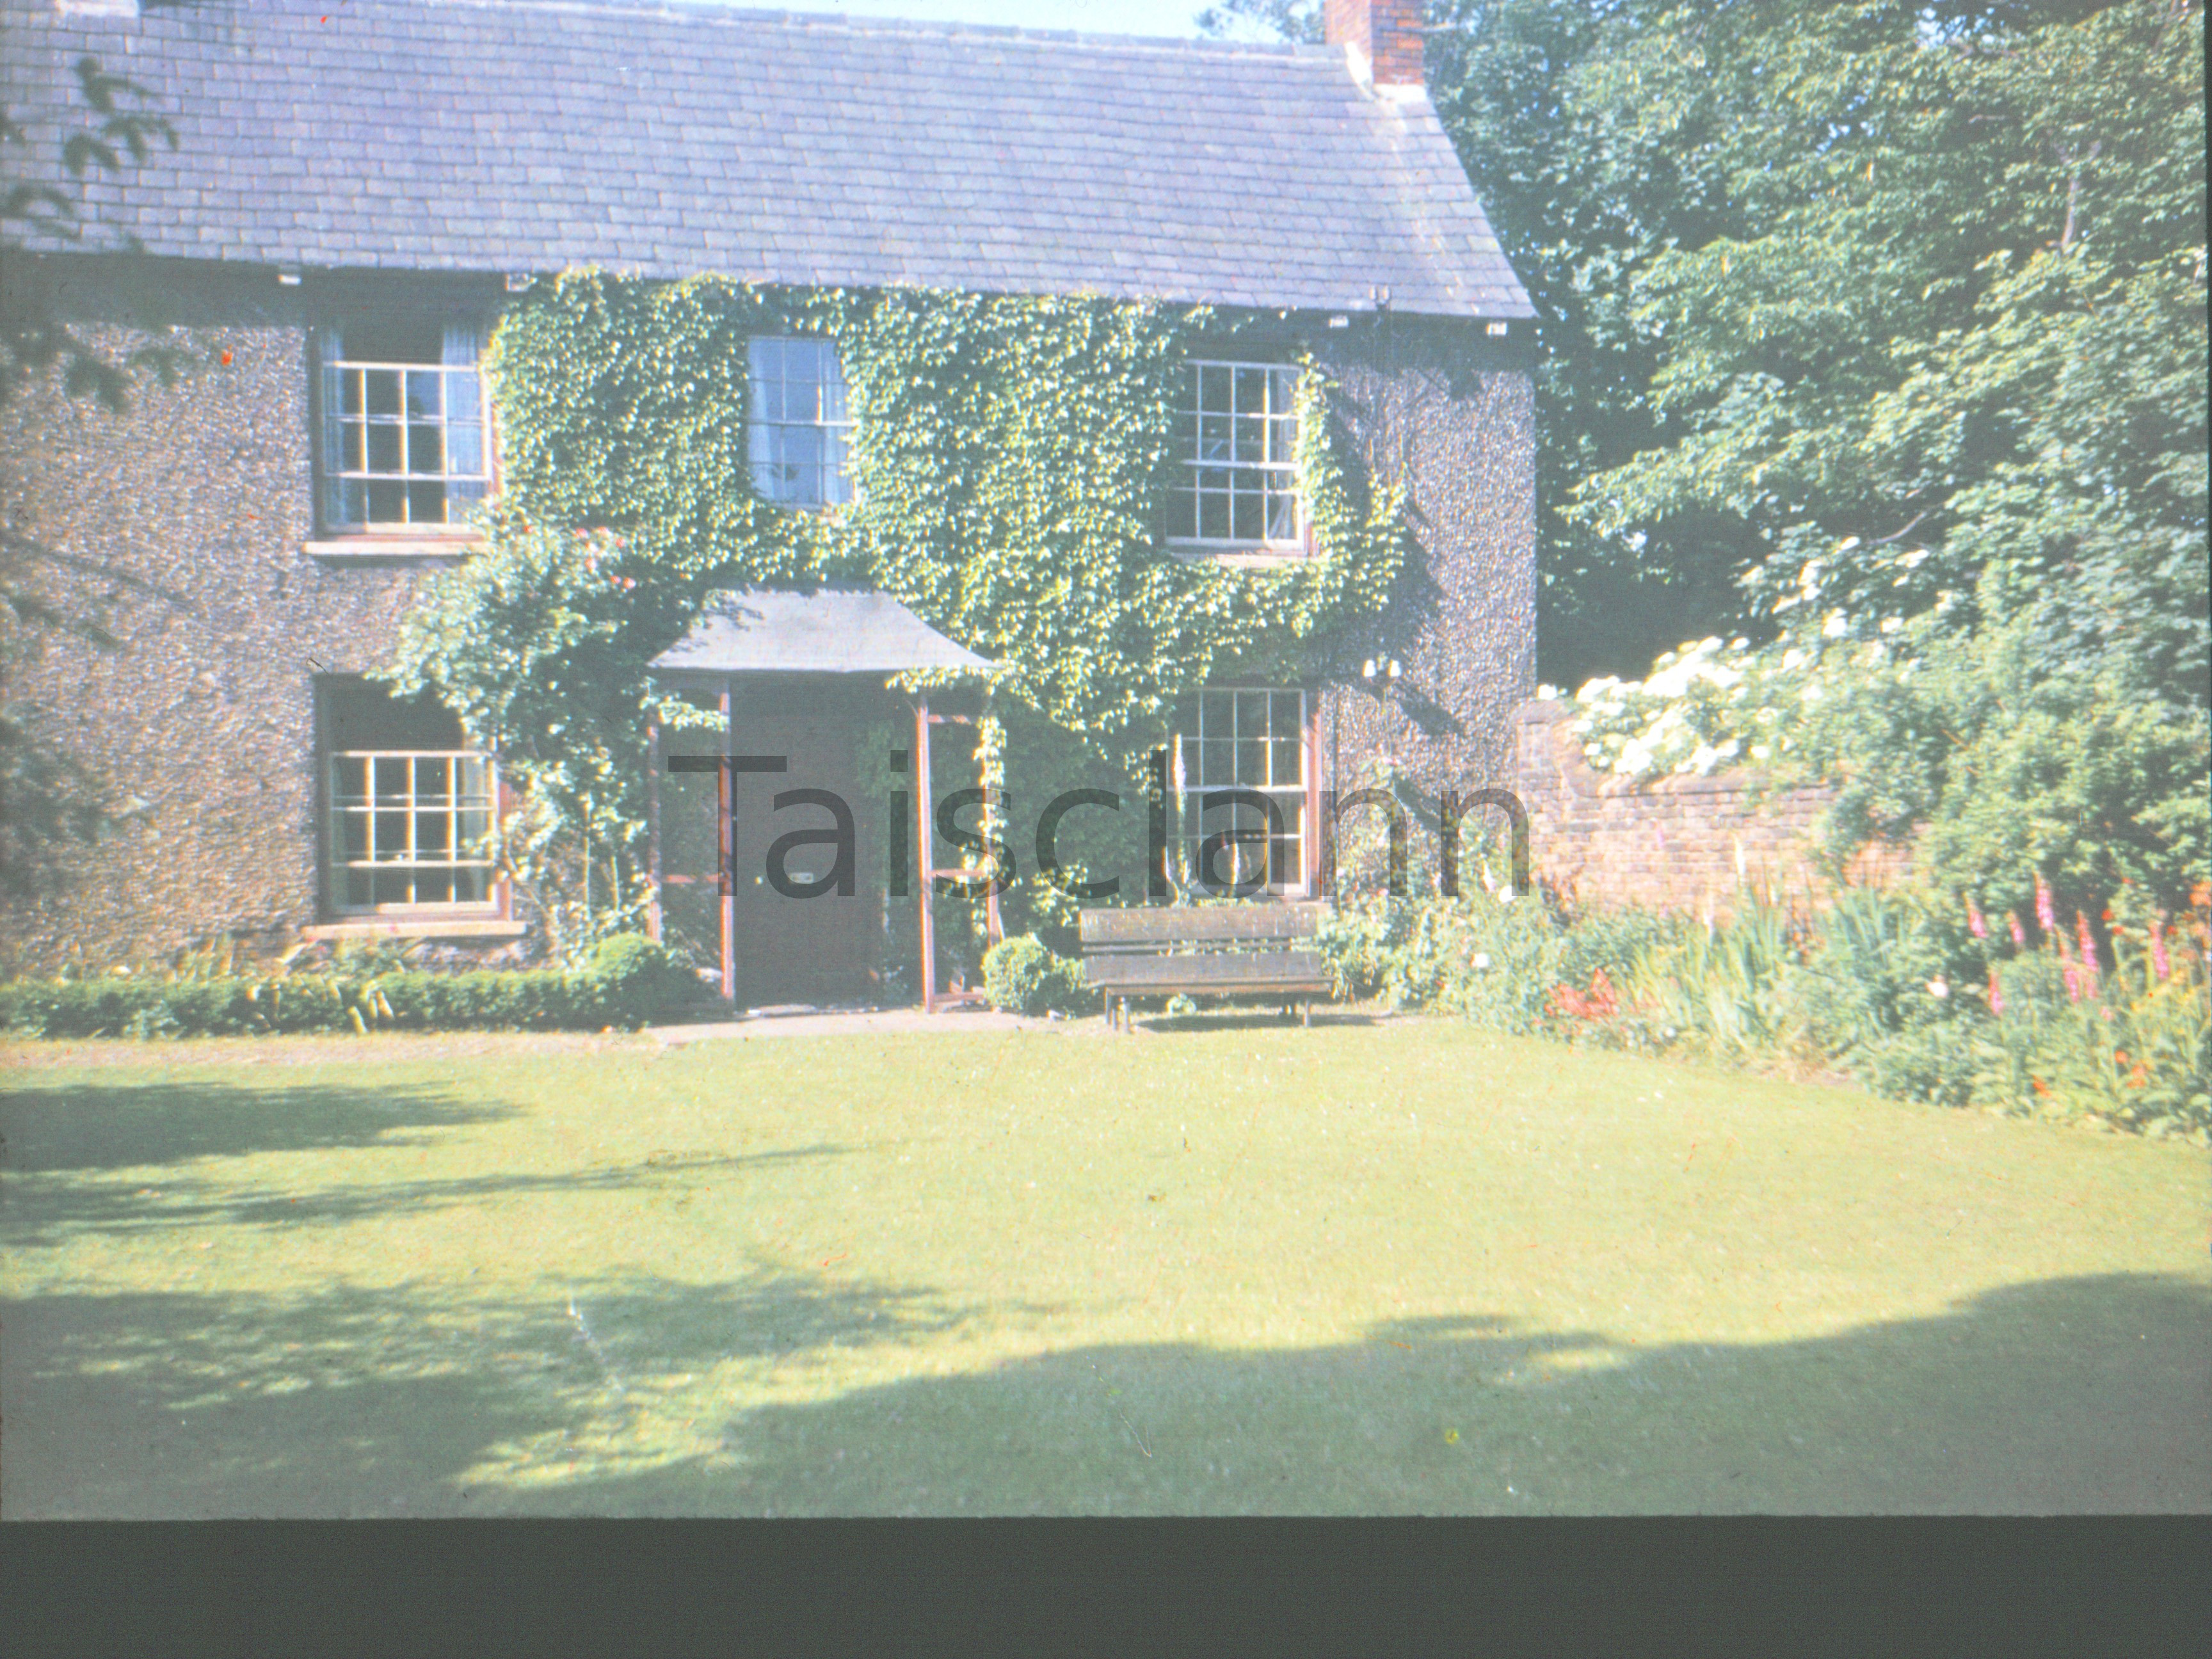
x: 1306, y: 1013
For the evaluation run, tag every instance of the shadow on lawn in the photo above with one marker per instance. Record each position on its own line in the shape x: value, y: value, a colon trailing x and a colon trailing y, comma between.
x: 1250, y: 1019
x: 2065, y: 1396
x: 38, y: 1210
x: 103, y: 1126
x: 373, y: 1402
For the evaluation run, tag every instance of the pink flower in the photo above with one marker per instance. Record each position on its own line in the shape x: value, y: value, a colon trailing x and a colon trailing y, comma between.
x: 2158, y: 962
x: 2089, y: 945
x: 1975, y: 925
x: 2046, y: 914
x: 2072, y: 983
x: 2019, y: 933
x: 1997, y: 996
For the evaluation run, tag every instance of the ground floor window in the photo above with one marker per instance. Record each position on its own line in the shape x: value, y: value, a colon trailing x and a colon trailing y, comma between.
x: 409, y: 805
x: 1240, y: 772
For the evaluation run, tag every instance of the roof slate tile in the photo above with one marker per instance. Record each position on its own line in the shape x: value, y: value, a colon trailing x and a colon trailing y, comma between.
x: 787, y: 148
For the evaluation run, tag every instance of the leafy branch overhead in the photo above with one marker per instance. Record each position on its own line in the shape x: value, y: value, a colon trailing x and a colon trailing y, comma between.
x: 45, y: 215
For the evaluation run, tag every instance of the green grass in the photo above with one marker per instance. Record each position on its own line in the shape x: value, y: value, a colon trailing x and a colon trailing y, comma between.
x: 1399, y: 1269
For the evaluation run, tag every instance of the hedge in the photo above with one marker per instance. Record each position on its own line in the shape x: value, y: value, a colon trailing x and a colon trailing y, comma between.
x: 628, y: 982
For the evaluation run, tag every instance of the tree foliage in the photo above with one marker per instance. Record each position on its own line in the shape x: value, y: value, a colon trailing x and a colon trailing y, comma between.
x: 1874, y: 335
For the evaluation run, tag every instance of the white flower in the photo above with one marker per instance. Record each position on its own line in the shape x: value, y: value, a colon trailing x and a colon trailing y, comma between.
x: 1891, y: 624
x: 1835, y: 628
x: 1938, y: 989
x: 1482, y: 958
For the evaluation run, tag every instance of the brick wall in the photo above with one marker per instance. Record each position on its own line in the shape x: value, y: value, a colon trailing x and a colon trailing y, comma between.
x: 1677, y: 842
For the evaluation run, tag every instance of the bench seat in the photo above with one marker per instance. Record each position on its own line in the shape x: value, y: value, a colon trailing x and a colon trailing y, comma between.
x: 1240, y: 950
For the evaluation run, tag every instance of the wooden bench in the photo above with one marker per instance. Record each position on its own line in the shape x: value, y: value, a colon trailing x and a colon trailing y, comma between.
x: 1228, y: 950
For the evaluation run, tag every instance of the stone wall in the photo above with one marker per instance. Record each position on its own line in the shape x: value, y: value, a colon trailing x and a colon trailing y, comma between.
x: 181, y: 529
x: 1451, y: 414
x: 1679, y: 842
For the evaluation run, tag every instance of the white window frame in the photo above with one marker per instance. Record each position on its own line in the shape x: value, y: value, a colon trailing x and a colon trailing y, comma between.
x: 770, y: 421
x: 1198, y: 752
x: 332, y: 457
x: 1206, y: 469
x: 460, y: 851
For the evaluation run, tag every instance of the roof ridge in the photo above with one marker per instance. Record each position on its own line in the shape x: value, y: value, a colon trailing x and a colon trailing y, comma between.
x: 718, y: 13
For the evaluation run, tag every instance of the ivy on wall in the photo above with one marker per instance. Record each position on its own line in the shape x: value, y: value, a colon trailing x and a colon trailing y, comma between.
x: 1012, y: 458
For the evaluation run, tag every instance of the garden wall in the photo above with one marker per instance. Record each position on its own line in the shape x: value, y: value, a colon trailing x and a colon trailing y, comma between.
x: 1676, y: 842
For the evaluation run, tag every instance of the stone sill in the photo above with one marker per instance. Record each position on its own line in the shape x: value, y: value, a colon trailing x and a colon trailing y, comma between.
x: 1242, y: 558
x: 367, y: 549
x: 413, y: 927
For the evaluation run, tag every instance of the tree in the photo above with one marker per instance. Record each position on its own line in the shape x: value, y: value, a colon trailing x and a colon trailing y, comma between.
x: 1939, y: 366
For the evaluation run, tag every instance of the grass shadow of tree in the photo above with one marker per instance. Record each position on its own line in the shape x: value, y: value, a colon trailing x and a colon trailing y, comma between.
x: 2070, y: 1395
x: 50, y: 1126
x: 40, y: 1210
x: 367, y: 1402
x: 2079, y: 1395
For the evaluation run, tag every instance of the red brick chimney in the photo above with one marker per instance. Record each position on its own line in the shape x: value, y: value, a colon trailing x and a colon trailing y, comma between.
x: 1385, y: 36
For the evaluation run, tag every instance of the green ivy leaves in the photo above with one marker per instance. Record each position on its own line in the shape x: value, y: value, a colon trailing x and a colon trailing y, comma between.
x: 1011, y: 455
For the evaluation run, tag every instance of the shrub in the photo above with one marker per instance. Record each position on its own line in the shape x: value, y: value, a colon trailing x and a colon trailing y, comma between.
x: 626, y: 982
x: 1021, y: 976
x: 1890, y: 986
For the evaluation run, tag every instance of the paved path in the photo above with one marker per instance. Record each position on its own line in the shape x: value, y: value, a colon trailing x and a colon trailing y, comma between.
x: 866, y: 1021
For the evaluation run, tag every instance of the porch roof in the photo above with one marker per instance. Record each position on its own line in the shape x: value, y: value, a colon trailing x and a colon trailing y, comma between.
x: 832, y: 630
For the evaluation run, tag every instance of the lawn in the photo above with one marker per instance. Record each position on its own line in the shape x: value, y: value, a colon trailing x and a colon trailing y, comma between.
x: 1397, y: 1268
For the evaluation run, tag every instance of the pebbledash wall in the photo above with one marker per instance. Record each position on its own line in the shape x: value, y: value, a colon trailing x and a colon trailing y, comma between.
x: 186, y: 525
x: 1678, y: 843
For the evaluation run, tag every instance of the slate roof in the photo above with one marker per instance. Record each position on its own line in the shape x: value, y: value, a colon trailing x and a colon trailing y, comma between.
x: 832, y: 630
x: 530, y: 134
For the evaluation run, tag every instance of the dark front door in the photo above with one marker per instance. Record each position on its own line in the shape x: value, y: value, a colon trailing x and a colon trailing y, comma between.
x: 807, y: 915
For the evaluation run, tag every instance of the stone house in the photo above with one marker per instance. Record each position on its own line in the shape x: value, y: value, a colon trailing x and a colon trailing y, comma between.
x: 355, y: 192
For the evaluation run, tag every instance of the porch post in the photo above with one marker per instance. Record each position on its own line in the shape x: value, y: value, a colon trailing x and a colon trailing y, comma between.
x: 925, y: 850
x: 1309, y: 744
x: 653, y: 764
x: 726, y: 847
x: 994, y: 815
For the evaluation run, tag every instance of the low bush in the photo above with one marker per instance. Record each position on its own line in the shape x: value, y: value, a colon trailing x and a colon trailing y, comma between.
x: 625, y: 983
x: 1021, y: 976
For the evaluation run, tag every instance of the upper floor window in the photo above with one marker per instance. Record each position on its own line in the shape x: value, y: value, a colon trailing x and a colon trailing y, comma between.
x: 403, y: 441
x: 797, y: 427
x: 1236, y: 438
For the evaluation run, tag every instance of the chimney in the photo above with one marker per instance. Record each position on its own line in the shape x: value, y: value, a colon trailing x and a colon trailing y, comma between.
x: 1384, y: 35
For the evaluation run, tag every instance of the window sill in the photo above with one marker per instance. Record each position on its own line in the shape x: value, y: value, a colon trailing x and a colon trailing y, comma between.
x: 415, y: 927
x: 370, y: 547
x: 1249, y: 557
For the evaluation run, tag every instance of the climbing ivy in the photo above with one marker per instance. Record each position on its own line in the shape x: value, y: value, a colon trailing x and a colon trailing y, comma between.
x: 1012, y: 458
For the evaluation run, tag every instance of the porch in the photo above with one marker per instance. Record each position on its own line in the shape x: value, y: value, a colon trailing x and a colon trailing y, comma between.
x: 793, y: 847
